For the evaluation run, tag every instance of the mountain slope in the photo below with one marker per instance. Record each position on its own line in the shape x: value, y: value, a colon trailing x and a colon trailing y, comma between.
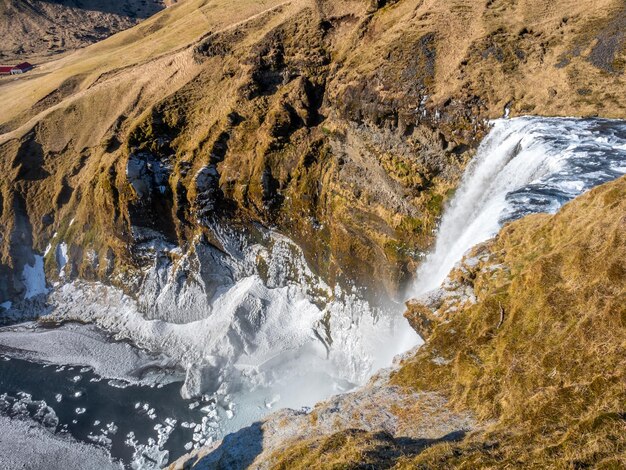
x: 33, y: 29
x: 344, y: 125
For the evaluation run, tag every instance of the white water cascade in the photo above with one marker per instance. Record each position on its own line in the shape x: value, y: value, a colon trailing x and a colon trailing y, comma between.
x: 525, y: 165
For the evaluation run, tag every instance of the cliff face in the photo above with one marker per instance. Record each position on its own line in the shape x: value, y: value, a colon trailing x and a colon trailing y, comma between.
x: 528, y: 374
x: 344, y: 125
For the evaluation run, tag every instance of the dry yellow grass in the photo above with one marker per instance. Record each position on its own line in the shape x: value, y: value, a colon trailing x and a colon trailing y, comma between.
x: 552, y: 374
x: 165, y: 33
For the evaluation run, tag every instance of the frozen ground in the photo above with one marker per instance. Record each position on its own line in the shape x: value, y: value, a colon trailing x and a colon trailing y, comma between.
x: 245, y: 343
x: 86, y: 345
x: 25, y: 445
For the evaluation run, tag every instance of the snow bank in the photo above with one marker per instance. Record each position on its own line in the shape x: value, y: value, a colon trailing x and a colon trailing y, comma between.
x: 26, y: 446
x: 86, y: 345
x: 34, y: 278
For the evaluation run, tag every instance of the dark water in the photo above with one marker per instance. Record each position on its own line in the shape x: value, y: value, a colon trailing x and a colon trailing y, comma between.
x: 593, y: 152
x: 102, y: 401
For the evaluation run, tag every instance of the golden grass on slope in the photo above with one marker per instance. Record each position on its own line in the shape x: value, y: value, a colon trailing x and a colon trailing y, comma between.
x: 71, y: 146
x: 553, y: 374
x: 166, y: 32
x: 539, y: 57
x: 343, y: 450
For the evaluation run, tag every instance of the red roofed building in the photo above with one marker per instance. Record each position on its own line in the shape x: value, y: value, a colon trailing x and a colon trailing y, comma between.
x: 22, y: 68
x: 15, y: 70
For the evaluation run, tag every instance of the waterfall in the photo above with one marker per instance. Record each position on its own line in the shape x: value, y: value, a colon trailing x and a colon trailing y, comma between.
x: 525, y: 165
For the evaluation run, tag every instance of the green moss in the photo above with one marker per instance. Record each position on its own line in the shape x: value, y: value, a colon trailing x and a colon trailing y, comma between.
x: 435, y: 204
x: 412, y: 225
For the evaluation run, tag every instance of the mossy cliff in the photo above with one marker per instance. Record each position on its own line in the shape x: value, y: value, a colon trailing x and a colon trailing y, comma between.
x: 529, y: 374
x: 344, y: 125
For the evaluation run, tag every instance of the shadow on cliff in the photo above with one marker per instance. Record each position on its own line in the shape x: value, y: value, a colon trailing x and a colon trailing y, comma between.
x: 239, y: 450
x: 378, y: 450
x: 386, y: 456
x: 236, y: 451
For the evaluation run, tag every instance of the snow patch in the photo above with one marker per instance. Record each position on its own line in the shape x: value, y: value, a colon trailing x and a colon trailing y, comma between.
x: 61, y: 255
x: 22, y: 443
x: 34, y: 278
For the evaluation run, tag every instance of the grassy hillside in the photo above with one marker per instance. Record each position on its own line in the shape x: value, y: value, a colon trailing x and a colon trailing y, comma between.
x: 343, y: 124
x: 539, y: 359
